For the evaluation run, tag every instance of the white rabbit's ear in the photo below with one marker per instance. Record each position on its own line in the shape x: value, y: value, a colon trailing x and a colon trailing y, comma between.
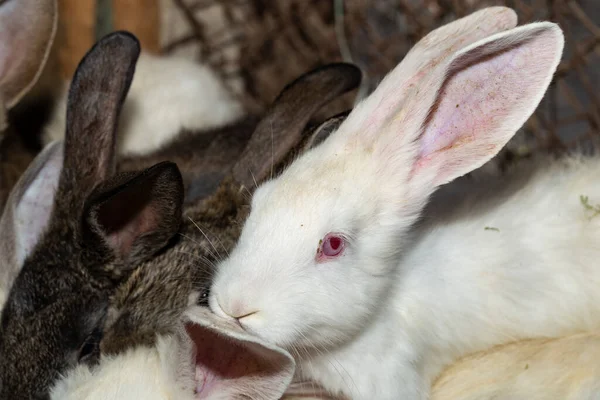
x: 484, y: 95
x: 27, y: 30
x: 28, y: 210
x: 462, y: 110
x: 429, y: 52
x: 230, y: 363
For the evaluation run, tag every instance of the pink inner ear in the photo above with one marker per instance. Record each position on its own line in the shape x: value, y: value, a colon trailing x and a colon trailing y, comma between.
x: 224, y: 366
x: 488, y: 94
x: 122, y: 238
x: 473, y: 101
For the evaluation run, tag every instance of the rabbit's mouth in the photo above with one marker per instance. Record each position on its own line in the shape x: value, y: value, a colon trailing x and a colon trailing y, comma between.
x: 229, y: 361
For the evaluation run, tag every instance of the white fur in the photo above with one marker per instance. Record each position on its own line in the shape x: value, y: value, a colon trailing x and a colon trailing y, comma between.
x: 166, y: 371
x: 167, y: 95
x: 463, y: 288
x: 381, y: 321
x: 141, y: 373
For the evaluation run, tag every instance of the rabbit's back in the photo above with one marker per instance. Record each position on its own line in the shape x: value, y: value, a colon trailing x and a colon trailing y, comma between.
x: 514, y: 263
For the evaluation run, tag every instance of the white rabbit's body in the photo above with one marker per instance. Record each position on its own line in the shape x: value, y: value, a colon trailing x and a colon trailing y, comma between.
x: 458, y: 290
x: 334, y: 265
x: 168, y: 95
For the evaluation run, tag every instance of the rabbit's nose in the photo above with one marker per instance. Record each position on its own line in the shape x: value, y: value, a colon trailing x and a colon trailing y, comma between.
x: 240, y: 310
x: 237, y: 309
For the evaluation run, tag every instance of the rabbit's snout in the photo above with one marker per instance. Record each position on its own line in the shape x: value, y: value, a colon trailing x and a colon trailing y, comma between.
x: 237, y: 309
x: 233, y: 308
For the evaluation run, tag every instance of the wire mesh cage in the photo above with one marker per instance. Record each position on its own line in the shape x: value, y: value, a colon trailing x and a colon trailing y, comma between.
x: 260, y: 45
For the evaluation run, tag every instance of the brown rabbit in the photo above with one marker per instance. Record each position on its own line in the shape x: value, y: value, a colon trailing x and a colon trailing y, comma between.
x: 157, y: 293
x: 72, y: 263
x: 27, y: 31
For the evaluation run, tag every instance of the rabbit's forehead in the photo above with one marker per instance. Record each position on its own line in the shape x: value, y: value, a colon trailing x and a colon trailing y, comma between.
x: 325, y: 190
x: 318, y: 181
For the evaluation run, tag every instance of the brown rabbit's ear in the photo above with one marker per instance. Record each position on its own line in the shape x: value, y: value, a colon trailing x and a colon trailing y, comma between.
x: 314, y: 136
x: 96, y: 95
x: 137, y: 213
x: 282, y: 127
x: 55, y: 185
x: 27, y: 30
x: 28, y: 211
x: 322, y: 132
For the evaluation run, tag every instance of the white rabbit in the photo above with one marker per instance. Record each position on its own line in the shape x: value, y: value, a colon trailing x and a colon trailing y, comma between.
x: 329, y: 264
x: 230, y: 364
x: 168, y: 94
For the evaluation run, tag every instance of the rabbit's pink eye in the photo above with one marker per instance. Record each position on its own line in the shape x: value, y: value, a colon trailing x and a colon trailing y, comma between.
x: 330, y: 246
x: 333, y: 246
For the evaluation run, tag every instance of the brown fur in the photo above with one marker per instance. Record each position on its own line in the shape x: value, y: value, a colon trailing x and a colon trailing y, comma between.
x: 203, y: 159
x: 59, y: 299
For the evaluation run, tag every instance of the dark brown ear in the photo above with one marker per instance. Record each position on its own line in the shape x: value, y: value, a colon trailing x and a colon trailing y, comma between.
x: 282, y: 127
x: 136, y: 213
x: 314, y: 136
x: 96, y: 95
x: 322, y: 132
x: 62, y: 175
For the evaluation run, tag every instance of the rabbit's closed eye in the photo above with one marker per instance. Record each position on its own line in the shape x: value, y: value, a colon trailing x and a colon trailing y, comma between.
x: 89, y: 352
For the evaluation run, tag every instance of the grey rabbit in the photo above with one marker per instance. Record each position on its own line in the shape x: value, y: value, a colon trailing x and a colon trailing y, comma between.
x: 57, y: 303
x: 28, y: 28
x: 94, y: 232
x: 157, y: 293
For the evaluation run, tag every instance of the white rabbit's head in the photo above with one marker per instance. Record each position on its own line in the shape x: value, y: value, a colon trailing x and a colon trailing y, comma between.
x: 321, y: 246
